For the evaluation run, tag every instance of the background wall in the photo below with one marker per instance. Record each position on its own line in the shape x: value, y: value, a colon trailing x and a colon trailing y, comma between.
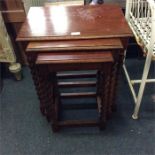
x: 120, y: 2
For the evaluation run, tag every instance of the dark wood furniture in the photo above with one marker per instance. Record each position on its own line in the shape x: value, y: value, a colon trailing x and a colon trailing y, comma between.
x: 74, y: 22
x: 64, y: 55
x: 70, y: 61
x: 14, y: 15
x: 65, y: 31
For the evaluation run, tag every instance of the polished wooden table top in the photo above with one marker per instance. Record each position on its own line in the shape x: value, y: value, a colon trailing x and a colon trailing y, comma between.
x: 70, y: 45
x: 74, y: 22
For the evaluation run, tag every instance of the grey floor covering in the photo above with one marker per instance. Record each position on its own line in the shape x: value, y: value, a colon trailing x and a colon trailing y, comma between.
x: 24, y: 131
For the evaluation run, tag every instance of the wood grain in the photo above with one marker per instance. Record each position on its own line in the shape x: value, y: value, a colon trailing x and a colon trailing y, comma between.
x: 14, y: 16
x: 73, y: 58
x: 74, y: 22
x: 78, y: 95
x: 77, y: 84
x: 75, y: 75
x: 94, y: 44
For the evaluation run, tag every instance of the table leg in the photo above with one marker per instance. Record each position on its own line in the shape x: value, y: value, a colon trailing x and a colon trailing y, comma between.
x: 43, y: 86
x: 114, y: 82
x: 55, y: 107
x: 103, y: 81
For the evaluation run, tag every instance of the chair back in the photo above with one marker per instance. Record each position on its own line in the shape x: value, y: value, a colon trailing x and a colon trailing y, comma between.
x: 140, y: 15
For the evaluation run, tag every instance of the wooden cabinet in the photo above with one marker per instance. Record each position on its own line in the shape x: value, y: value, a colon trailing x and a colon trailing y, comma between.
x: 13, y: 15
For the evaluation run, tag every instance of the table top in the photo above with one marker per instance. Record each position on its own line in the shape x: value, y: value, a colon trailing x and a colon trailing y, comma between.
x: 70, y: 45
x: 74, y: 22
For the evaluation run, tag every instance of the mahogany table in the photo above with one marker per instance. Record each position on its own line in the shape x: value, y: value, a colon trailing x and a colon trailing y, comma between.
x: 49, y: 57
x: 74, y: 28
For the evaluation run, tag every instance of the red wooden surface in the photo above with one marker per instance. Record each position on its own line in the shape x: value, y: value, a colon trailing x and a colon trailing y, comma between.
x: 74, y: 22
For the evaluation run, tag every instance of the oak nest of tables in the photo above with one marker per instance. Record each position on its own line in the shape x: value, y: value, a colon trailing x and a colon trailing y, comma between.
x: 69, y: 38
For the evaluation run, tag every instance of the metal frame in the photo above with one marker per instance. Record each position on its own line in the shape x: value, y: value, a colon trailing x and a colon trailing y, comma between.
x: 140, y: 15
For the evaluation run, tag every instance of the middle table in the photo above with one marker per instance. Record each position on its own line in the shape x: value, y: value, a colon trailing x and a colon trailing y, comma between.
x: 46, y: 58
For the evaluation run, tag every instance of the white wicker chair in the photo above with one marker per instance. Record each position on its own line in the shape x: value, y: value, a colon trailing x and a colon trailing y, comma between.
x: 6, y: 51
x: 140, y: 15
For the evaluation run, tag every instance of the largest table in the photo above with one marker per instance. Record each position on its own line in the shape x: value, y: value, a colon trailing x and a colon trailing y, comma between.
x: 73, y: 28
